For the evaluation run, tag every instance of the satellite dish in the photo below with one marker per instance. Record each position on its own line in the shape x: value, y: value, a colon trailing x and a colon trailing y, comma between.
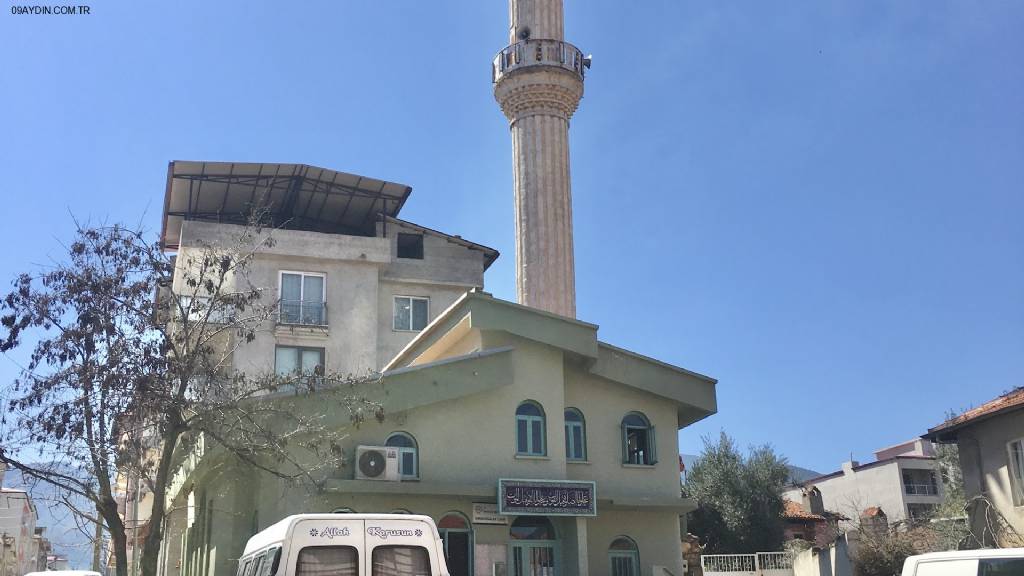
x: 371, y: 463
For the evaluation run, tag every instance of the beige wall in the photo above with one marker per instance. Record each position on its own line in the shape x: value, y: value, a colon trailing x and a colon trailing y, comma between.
x: 655, y: 533
x: 362, y: 277
x: 873, y: 485
x: 468, y: 442
x: 604, y: 403
x: 391, y: 341
x: 984, y: 458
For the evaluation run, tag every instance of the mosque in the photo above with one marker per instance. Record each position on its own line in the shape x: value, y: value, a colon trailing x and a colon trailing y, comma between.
x: 474, y: 385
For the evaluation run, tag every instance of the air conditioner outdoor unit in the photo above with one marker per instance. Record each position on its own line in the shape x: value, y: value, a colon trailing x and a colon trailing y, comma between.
x: 377, y: 463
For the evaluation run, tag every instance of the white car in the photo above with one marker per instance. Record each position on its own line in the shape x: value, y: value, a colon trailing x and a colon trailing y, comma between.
x: 346, y: 545
x: 997, y: 562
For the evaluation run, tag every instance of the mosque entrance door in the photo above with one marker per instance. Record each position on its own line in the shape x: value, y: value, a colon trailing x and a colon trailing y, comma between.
x: 534, y: 549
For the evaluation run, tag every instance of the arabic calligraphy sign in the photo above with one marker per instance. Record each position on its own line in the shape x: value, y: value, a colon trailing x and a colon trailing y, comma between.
x: 547, y: 497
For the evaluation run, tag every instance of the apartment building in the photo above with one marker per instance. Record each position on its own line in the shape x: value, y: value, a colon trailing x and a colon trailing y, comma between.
x: 903, y: 481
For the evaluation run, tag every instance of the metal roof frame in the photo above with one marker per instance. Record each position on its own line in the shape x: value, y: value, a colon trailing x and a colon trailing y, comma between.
x: 295, y: 196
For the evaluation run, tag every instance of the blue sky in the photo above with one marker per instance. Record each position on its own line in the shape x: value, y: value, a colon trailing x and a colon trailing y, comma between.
x: 817, y: 203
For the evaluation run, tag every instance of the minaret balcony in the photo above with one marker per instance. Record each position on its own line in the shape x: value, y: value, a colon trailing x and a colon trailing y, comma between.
x: 539, y: 52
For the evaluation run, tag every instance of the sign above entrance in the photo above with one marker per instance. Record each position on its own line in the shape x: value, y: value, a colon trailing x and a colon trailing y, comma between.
x: 547, y: 497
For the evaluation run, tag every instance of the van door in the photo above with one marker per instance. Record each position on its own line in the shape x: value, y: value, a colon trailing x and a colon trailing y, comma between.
x: 401, y: 548
x: 333, y: 547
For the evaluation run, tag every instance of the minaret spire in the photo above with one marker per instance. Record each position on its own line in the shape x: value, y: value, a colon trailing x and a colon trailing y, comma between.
x: 538, y: 80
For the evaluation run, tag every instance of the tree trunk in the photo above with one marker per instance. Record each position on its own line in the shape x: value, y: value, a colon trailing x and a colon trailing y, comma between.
x: 151, y: 545
x: 97, y: 548
x: 118, y: 538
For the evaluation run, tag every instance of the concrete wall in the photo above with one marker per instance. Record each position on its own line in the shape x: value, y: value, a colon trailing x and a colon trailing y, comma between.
x: 443, y: 261
x: 857, y: 488
x: 832, y: 560
x: 391, y: 341
x: 604, y: 404
x: 656, y: 534
x: 362, y: 277
x: 474, y: 445
x: 984, y: 458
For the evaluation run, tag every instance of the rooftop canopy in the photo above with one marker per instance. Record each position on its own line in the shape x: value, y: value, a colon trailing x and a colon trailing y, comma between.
x: 296, y: 197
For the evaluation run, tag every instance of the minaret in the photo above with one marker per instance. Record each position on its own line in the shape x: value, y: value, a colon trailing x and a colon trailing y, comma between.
x: 538, y: 80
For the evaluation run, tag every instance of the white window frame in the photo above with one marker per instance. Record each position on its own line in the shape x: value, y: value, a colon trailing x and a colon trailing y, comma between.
x: 415, y: 451
x: 298, y: 350
x: 570, y: 443
x: 410, y: 298
x: 529, y: 420
x: 1016, y: 471
x: 302, y: 288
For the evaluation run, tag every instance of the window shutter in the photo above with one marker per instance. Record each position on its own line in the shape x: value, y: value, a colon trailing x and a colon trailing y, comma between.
x: 625, y: 444
x: 653, y: 439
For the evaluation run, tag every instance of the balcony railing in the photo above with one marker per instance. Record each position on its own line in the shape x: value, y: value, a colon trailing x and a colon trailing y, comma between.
x: 303, y: 312
x: 539, y: 52
x: 921, y: 489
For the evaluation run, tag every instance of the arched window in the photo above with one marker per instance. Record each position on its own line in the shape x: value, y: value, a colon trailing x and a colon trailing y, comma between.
x: 457, y: 537
x: 624, y: 557
x: 408, y: 454
x: 530, y: 430
x: 638, y: 440
x: 535, y: 546
x: 575, y: 435
x: 532, y: 528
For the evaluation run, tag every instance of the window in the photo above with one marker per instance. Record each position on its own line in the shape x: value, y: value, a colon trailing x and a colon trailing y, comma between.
x: 918, y: 513
x: 411, y: 312
x: 410, y: 246
x: 401, y: 561
x: 302, y: 299
x: 532, y: 528
x: 408, y: 457
x: 1017, y: 470
x: 638, y: 440
x: 257, y: 565
x: 1001, y: 566
x: 920, y: 482
x: 575, y: 435
x: 299, y: 361
x: 530, y: 431
x: 457, y: 537
x: 327, y: 561
x: 272, y: 562
x: 201, y: 309
x: 624, y: 557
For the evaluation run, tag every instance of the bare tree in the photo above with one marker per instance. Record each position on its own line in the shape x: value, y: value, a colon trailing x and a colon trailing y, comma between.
x: 131, y: 364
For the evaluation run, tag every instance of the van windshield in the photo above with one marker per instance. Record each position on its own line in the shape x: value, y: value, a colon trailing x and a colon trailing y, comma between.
x: 401, y: 561
x: 327, y: 561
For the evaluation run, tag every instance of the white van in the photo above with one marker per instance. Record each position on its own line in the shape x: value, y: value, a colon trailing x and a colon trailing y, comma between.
x: 346, y: 545
x: 997, y: 562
